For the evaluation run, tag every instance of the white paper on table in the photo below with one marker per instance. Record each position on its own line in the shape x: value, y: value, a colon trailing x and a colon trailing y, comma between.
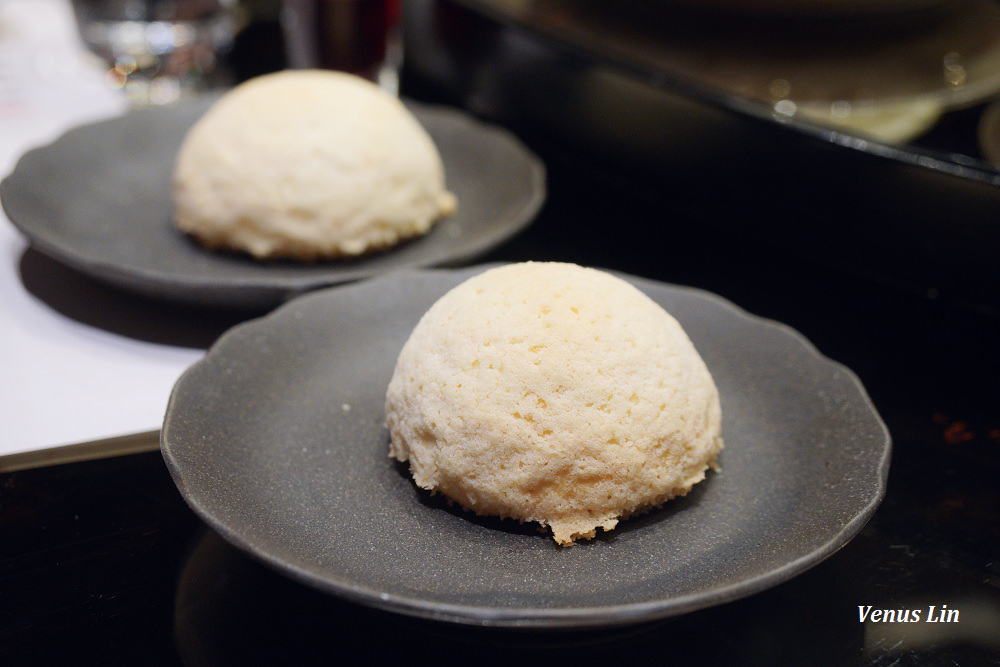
x: 61, y: 380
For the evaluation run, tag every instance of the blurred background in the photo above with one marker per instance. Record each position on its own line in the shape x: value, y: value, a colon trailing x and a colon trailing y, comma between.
x: 864, y: 135
x: 861, y: 134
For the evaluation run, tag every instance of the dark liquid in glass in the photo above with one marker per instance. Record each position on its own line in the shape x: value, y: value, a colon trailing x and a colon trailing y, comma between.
x: 353, y: 35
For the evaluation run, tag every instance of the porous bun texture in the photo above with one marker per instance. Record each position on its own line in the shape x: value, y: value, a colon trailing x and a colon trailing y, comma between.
x: 553, y: 393
x: 308, y: 164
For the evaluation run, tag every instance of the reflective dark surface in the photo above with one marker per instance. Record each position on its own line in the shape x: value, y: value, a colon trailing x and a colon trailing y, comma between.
x: 102, y: 563
x: 921, y: 214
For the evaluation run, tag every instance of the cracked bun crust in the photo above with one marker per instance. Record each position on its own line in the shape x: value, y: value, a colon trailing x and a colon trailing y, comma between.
x: 553, y: 393
x: 308, y: 164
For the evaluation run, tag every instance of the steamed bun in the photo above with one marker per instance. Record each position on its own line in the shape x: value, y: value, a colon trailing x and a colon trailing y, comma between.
x: 553, y: 393
x: 308, y: 164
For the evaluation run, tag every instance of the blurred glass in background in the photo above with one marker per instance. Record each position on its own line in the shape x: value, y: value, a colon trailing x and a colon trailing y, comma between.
x: 362, y: 37
x: 158, y: 51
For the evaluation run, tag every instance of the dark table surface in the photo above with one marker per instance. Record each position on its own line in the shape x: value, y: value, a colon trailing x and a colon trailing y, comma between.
x: 101, y: 562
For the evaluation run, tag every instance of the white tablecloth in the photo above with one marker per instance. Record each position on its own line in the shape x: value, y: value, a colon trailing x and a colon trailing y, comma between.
x: 64, y: 379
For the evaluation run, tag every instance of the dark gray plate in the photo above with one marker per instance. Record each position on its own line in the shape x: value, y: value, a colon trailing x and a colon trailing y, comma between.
x: 276, y: 439
x: 99, y: 200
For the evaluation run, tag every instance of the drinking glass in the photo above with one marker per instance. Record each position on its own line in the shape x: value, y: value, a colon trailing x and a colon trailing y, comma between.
x: 358, y: 36
x: 158, y: 51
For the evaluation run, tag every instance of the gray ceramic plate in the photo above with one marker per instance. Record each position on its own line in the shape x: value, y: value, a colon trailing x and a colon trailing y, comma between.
x: 276, y: 439
x: 98, y: 199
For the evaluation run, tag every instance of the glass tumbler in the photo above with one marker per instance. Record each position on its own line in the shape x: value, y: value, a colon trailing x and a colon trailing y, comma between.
x: 158, y: 50
x: 362, y: 37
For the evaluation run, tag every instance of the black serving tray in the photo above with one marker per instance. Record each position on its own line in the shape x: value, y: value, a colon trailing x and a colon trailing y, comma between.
x: 921, y: 215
